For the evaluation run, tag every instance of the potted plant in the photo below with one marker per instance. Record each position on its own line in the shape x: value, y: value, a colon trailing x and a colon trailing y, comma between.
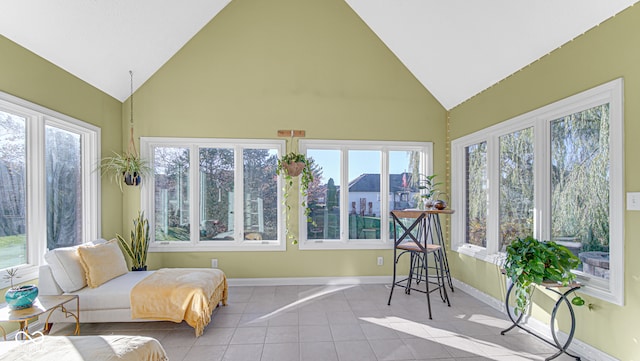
x: 138, y: 245
x: 19, y: 297
x: 428, y: 188
x: 290, y: 166
x: 127, y: 168
x: 530, y: 262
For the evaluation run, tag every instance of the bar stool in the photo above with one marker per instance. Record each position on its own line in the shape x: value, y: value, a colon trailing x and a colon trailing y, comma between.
x: 413, y: 241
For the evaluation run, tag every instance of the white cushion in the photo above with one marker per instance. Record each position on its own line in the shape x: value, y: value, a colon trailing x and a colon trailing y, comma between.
x: 66, y: 267
x: 113, y: 294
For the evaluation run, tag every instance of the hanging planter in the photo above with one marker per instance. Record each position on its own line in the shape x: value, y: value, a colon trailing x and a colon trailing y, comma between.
x: 128, y: 167
x: 292, y: 165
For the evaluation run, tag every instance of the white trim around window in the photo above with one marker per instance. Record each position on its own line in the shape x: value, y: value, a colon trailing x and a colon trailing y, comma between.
x: 611, y: 289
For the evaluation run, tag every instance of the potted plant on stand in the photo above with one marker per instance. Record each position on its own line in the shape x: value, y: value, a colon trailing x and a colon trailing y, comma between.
x: 530, y: 262
x: 138, y: 245
x: 19, y: 297
x: 290, y: 166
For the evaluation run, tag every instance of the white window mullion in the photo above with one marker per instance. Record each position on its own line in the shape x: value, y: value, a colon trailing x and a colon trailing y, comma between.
x: 344, y: 194
x: 238, y: 194
x: 384, y: 195
x: 194, y: 191
x: 36, y: 191
x: 493, y: 194
x: 542, y: 180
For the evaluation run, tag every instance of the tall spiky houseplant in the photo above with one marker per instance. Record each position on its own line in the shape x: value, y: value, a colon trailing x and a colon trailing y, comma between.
x: 138, y: 245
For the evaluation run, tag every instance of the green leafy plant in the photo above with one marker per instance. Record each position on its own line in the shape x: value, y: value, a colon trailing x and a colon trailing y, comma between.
x: 428, y: 188
x: 124, y: 167
x: 11, y: 274
x: 290, y: 166
x: 138, y: 245
x: 530, y: 262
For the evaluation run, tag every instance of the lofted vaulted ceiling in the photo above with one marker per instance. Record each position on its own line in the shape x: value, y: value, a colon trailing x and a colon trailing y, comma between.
x: 455, y: 48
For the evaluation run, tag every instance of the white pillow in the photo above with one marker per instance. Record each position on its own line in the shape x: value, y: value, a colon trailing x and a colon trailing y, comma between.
x: 66, y: 267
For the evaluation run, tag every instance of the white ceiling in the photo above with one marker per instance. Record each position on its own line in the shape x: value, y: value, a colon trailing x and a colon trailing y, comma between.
x: 455, y: 48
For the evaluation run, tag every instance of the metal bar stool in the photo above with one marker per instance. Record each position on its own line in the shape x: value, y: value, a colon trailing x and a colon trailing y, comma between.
x: 413, y: 241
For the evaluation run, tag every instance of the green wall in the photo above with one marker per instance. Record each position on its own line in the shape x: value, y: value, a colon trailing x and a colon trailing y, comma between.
x: 286, y: 64
x: 28, y: 76
x: 607, y: 52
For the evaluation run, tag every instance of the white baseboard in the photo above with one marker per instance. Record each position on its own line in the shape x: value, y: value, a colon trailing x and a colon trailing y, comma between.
x: 303, y: 281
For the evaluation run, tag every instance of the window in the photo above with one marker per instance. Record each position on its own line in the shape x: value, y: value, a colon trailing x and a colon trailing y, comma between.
x: 555, y: 173
x: 213, y: 194
x: 56, y: 155
x: 378, y: 178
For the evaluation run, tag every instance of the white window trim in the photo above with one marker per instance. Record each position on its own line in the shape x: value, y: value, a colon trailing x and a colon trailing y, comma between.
x: 385, y: 242
x: 611, y: 92
x: 194, y: 244
x: 37, y: 118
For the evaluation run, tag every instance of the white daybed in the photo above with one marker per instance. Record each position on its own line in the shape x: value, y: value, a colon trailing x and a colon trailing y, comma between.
x: 95, y: 273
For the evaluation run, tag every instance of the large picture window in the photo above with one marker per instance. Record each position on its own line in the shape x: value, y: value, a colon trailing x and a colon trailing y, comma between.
x: 56, y: 155
x: 217, y: 194
x: 356, y: 185
x: 555, y: 173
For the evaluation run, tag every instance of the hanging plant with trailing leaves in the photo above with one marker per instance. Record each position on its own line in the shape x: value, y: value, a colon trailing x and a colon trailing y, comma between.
x: 290, y: 166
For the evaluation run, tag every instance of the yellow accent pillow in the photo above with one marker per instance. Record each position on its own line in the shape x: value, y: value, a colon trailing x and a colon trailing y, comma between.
x: 102, y: 262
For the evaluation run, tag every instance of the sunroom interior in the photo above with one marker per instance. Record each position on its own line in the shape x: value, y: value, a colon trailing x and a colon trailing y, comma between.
x: 353, y: 75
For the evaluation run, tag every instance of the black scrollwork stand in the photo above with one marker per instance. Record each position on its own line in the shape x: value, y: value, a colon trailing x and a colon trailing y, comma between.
x: 562, y: 348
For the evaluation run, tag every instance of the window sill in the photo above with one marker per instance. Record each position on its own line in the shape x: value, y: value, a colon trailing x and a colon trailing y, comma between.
x: 190, y: 247
x: 341, y: 245
x: 26, y: 274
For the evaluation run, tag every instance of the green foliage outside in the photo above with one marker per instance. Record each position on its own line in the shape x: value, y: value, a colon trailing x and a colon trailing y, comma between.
x: 579, y: 175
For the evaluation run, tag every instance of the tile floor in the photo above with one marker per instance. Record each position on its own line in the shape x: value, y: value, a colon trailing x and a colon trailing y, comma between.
x: 342, y: 323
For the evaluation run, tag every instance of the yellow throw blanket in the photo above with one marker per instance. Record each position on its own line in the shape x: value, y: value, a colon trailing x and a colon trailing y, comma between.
x: 176, y: 294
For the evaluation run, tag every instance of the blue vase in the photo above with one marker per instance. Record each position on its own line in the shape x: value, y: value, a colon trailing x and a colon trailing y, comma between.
x: 21, y: 297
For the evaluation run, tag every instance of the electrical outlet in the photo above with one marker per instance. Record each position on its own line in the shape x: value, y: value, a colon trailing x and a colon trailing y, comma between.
x: 633, y: 201
x: 380, y: 261
x: 214, y: 263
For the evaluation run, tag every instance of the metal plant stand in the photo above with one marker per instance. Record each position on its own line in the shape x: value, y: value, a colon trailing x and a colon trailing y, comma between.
x: 562, y: 348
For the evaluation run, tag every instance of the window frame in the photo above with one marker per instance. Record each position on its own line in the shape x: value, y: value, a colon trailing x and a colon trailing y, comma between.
x: 540, y: 119
x: 344, y: 146
x: 36, y: 119
x: 147, y: 145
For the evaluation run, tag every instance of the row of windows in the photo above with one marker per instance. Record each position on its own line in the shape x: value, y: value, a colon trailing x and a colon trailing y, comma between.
x: 224, y: 194
x: 555, y: 173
